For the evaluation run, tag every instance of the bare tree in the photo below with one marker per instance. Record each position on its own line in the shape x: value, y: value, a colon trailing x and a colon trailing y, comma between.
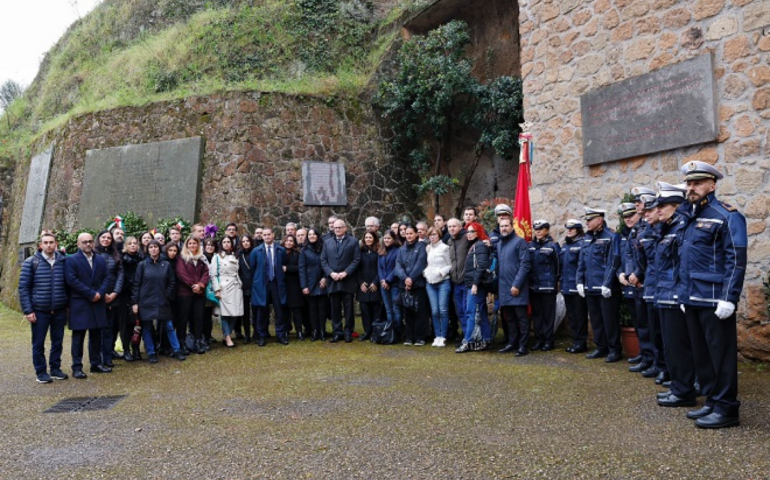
x: 9, y: 91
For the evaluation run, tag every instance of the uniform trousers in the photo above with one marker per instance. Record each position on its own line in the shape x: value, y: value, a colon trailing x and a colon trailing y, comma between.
x: 577, y: 312
x: 715, y: 349
x: 656, y: 336
x: 679, y: 354
x: 603, y: 313
x: 543, y: 315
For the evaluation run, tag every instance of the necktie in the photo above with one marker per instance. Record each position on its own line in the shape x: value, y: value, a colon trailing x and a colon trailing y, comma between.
x: 270, y: 267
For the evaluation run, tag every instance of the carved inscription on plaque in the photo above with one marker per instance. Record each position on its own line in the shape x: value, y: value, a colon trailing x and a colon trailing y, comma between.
x: 323, y: 184
x: 34, y: 198
x: 154, y: 180
x: 670, y: 108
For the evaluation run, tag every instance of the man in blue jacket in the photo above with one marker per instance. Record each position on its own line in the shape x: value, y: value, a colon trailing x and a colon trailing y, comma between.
x: 339, y: 260
x: 513, y: 266
x: 43, y: 298
x: 711, y: 273
x: 268, y: 287
x: 543, y: 282
x: 88, y: 280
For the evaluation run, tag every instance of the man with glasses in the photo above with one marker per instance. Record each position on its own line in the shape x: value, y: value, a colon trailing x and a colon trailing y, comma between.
x: 43, y: 298
x: 231, y: 232
x: 339, y: 260
x: 88, y: 279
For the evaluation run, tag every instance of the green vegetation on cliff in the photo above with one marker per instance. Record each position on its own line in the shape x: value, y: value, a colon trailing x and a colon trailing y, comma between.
x: 133, y: 52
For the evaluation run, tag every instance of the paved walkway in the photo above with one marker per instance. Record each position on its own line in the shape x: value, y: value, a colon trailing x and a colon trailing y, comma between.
x: 328, y: 411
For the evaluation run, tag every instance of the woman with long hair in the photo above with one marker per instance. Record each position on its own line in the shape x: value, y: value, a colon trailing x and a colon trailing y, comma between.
x: 294, y: 297
x: 476, y: 263
x: 313, y: 283
x: 245, y: 246
x: 368, y: 293
x: 386, y: 266
x: 210, y: 248
x: 144, y: 239
x: 410, y: 265
x: 170, y: 253
x: 106, y: 248
x: 192, y: 277
x: 223, y: 271
x: 130, y: 260
x: 439, y: 287
x: 153, y: 286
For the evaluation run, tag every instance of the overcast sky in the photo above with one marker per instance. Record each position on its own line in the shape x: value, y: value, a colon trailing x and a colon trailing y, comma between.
x: 29, y: 29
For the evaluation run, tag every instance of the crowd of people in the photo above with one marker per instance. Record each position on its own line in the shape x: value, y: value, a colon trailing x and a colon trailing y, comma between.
x: 677, y: 260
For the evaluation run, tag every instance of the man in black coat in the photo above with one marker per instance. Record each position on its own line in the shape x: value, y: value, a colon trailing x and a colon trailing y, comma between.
x: 88, y: 280
x: 339, y: 260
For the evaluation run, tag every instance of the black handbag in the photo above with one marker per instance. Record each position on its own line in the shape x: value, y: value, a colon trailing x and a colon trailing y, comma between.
x: 383, y: 332
x: 409, y: 301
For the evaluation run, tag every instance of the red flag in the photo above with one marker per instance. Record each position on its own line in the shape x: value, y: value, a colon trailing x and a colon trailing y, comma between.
x: 522, y: 212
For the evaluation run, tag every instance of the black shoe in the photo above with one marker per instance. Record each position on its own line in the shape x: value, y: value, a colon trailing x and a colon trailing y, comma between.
x: 507, y: 349
x: 336, y: 338
x: 59, y: 375
x: 577, y: 349
x: 700, y: 413
x: 128, y: 357
x: 663, y: 394
x: 635, y: 360
x: 44, y: 378
x: 639, y: 367
x: 109, y: 364
x: 300, y: 336
x: 178, y: 355
x: 651, y: 372
x: 597, y: 354
x: 283, y: 340
x: 673, y: 401
x: 261, y: 341
x: 364, y: 337
x: 200, y: 347
x: 152, y: 358
x: 116, y: 354
x: 246, y: 340
x: 100, y: 369
x: 662, y: 377
x: 348, y: 338
x: 184, y: 350
x: 522, y: 352
x: 717, y: 420
x: 613, y: 357
x: 79, y: 374
x: 547, y: 347
x: 538, y: 345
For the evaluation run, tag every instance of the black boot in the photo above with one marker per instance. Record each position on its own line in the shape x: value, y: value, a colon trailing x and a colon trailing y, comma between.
x: 136, y: 352
x: 200, y: 348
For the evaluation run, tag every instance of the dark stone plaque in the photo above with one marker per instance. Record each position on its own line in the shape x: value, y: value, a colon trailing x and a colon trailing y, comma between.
x: 669, y: 108
x: 154, y: 180
x: 34, y: 197
x: 323, y: 184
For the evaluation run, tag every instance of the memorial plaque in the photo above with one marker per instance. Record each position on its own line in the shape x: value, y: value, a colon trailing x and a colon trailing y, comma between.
x: 154, y: 180
x: 323, y: 184
x: 669, y: 108
x: 34, y: 198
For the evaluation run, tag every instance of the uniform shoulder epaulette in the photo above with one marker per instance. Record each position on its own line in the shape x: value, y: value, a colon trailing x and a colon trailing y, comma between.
x: 727, y: 206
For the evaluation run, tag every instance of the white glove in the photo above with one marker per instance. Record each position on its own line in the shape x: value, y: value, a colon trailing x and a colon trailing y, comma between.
x: 724, y: 309
x: 682, y: 308
x: 606, y: 292
x: 581, y: 290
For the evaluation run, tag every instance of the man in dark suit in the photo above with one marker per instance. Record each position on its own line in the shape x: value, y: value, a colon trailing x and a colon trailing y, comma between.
x: 268, y: 287
x: 339, y: 260
x: 88, y: 279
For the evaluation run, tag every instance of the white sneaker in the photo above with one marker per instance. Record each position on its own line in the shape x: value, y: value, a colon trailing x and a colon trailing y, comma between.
x: 435, y: 342
x: 408, y: 343
x: 441, y: 342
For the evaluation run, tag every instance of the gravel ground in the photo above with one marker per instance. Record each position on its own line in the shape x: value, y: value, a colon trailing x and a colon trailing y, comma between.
x: 320, y: 410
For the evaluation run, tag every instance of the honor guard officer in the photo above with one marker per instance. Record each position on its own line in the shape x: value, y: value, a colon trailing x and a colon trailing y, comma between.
x: 644, y: 277
x: 594, y: 279
x: 543, y: 281
x: 642, y: 319
x: 713, y: 266
x: 632, y: 294
x: 577, y: 311
x: 676, y: 339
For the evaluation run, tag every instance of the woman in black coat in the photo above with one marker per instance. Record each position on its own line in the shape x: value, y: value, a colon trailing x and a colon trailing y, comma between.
x: 245, y: 246
x: 130, y: 259
x: 294, y: 297
x: 210, y: 248
x: 106, y: 248
x: 476, y: 264
x: 154, y: 285
x: 368, y: 293
x: 410, y: 266
x: 170, y: 252
x: 313, y: 283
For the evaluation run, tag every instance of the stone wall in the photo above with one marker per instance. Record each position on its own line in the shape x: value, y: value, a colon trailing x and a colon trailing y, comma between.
x: 254, y: 147
x: 570, y: 47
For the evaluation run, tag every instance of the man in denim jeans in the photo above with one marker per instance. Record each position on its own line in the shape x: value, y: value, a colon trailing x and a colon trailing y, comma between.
x: 458, y: 251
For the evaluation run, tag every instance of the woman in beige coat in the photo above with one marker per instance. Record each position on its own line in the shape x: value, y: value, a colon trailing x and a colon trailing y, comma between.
x: 223, y: 271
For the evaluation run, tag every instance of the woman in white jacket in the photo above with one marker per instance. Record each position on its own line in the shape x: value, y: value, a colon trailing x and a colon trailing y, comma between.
x: 439, y: 286
x: 223, y: 272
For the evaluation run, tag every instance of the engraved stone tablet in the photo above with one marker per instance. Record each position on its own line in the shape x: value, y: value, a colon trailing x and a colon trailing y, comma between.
x: 323, y: 184
x: 154, y: 180
x: 34, y: 198
x: 669, y: 108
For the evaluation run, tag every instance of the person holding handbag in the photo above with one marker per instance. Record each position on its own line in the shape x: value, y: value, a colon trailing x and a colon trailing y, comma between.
x: 313, y: 283
x: 223, y: 272
x: 410, y: 266
x: 476, y: 263
x: 244, y: 271
x: 369, y: 298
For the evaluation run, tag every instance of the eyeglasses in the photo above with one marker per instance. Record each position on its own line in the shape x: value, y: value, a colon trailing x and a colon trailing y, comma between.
x: 471, y: 231
x: 87, y: 242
